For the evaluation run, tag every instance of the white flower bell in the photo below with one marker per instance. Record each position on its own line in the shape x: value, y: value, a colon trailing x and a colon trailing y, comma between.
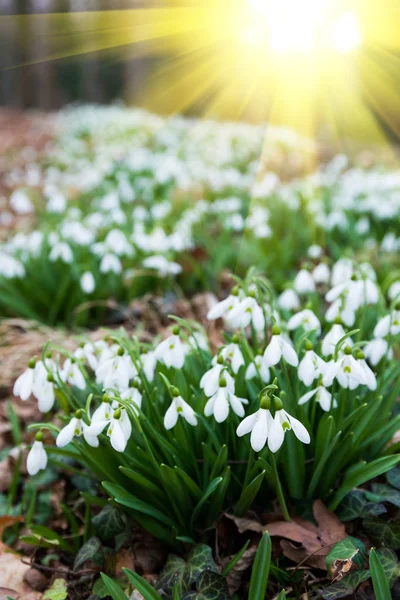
x: 278, y: 348
x: 37, y: 457
x: 75, y: 428
x: 178, y: 408
x: 218, y: 405
x: 171, y: 351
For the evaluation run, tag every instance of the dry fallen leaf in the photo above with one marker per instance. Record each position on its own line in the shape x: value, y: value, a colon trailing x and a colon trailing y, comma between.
x: 315, y: 541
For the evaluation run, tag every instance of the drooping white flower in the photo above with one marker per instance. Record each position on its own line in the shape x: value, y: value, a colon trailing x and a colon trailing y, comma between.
x: 278, y: 348
x: 304, y: 282
x: 117, y: 430
x: 23, y: 387
x: 224, y: 308
x: 75, y: 428
x: 342, y: 271
x: 218, y: 405
x: 233, y: 354
x: 179, y: 407
x: 331, y: 339
x: 314, y: 251
x: 289, y: 300
x: 171, y: 351
x: 210, y: 379
x: 259, y: 424
x: 245, y: 312
x: 61, y: 251
x: 87, y: 282
x: 133, y: 395
x: 72, y: 374
x: 43, y: 385
x: 311, y: 366
x: 149, y: 362
x: 21, y: 203
x: 370, y: 378
x: 283, y: 422
x: 321, y: 273
x: 110, y: 263
x: 162, y: 265
x: 346, y: 370
x: 37, y: 457
x: 258, y: 368
x: 376, y: 349
x: 322, y: 395
x: 116, y: 371
x: 388, y: 324
x: 394, y: 291
x: 305, y: 318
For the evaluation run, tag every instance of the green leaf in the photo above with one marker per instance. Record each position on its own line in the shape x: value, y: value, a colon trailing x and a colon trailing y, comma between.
x: 171, y: 574
x: 260, y: 570
x: 248, y: 495
x: 199, y: 560
x: 282, y: 595
x: 393, y: 477
x: 389, y: 563
x: 344, y: 551
x: 113, y: 588
x: 142, y: 586
x: 379, y: 580
x: 384, y: 493
x: 346, y: 586
x: 212, y: 486
x: 46, y: 538
x: 108, y: 523
x: 58, y: 591
x: 386, y: 533
x: 355, y: 505
x: 359, y: 474
x: 99, y: 589
x: 92, y: 551
x: 232, y: 563
x: 210, y: 586
x: 123, y: 497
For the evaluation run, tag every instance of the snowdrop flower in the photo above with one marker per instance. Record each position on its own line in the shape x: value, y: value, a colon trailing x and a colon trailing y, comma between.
x: 37, y: 457
x: 75, y: 428
x: 218, y: 405
x: 346, y: 370
x: 311, y: 366
x: 388, y: 324
x: 394, y: 291
x: 259, y: 424
x: 306, y: 319
x: 43, y: 386
x: 322, y: 395
x: 21, y: 203
x: 340, y: 309
x: 210, y: 379
x: 117, y: 243
x: 149, y: 362
x: 118, y: 430
x: 245, y: 312
x: 224, y: 308
x: 171, y: 351
x: 23, y: 387
x: 314, y: 251
x: 133, y: 395
x: 72, y: 374
x: 342, y: 271
x: 332, y: 337
x: 289, y: 300
x: 178, y: 408
x: 304, y: 282
x: 104, y: 412
x: 376, y: 349
x: 61, y: 251
x: 110, y: 264
x: 87, y: 282
x: 162, y: 265
x: 321, y: 273
x: 258, y: 368
x: 233, y: 354
x: 116, y: 371
x: 278, y: 348
x: 283, y: 422
x: 370, y: 379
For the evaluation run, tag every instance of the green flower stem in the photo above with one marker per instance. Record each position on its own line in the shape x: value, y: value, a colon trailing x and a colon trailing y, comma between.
x: 279, y: 490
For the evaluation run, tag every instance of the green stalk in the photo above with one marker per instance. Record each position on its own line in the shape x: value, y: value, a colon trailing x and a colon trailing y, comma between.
x: 279, y: 490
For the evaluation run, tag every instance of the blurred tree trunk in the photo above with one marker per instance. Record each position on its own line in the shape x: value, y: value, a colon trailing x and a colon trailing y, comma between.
x: 43, y: 93
x: 10, y: 89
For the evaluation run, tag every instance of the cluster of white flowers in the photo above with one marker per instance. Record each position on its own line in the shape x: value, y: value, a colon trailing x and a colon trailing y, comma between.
x: 314, y: 344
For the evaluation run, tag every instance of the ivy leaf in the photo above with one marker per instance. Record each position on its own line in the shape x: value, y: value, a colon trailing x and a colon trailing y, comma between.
x: 210, y: 586
x: 109, y: 523
x: 199, y: 560
x: 91, y: 551
x: 355, y: 506
x: 344, y: 555
x: 58, y: 591
x: 172, y: 573
x: 346, y: 587
x: 393, y: 477
x: 389, y: 563
x: 384, y: 493
x: 387, y: 534
x: 99, y: 589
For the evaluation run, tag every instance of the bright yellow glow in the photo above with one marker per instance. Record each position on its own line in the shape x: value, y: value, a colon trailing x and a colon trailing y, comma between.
x: 346, y: 33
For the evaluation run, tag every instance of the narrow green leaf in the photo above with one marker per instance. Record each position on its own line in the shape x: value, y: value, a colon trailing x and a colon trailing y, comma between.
x: 143, y: 587
x: 248, y: 495
x: 232, y: 563
x: 113, y: 589
x: 260, y: 570
x: 379, y: 580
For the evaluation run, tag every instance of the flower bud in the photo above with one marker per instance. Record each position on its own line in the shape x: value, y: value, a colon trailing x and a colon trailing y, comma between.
x: 278, y: 404
x: 360, y: 355
x: 32, y: 363
x: 222, y: 382
x: 308, y: 345
x: 117, y: 414
x: 235, y: 290
x: 220, y: 359
x: 348, y: 350
x: 50, y: 377
x: 338, y: 320
x: 176, y: 330
x: 39, y: 436
x: 235, y: 339
x: 121, y: 351
x: 79, y: 413
x: 265, y: 402
x: 276, y: 330
x: 105, y: 398
x: 175, y: 392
